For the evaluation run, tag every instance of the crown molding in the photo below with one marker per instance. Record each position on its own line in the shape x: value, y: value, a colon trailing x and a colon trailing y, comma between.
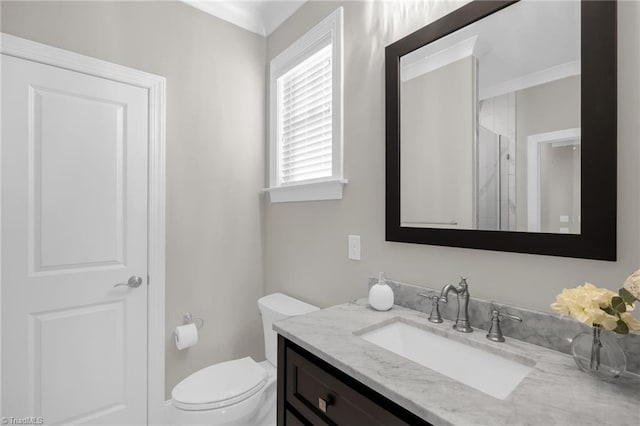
x: 261, y: 17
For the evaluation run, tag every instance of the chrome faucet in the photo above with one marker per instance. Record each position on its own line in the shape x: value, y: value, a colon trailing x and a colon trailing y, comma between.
x: 495, y: 332
x: 462, y: 291
x: 435, y: 316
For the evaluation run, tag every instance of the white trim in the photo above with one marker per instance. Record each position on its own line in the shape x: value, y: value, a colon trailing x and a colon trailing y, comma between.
x: 41, y: 53
x: 558, y: 138
x: 557, y: 72
x: 247, y: 18
x: 307, y: 191
x: 330, y: 29
x: 1, y: 413
x: 259, y: 19
x: 412, y: 67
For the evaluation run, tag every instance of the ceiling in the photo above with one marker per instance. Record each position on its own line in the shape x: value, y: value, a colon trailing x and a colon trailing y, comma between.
x: 527, y: 42
x: 258, y: 16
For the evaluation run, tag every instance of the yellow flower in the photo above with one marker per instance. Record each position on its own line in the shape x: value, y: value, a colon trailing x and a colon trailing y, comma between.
x: 631, y: 321
x: 608, y: 322
x: 585, y: 304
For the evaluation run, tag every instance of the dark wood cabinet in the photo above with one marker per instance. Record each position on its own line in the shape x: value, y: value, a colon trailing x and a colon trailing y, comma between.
x: 313, y: 392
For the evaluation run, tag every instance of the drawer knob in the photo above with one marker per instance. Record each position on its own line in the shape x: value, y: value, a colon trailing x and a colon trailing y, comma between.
x: 323, y: 403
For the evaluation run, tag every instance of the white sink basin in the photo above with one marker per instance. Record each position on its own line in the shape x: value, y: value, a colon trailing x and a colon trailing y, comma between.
x: 485, y: 371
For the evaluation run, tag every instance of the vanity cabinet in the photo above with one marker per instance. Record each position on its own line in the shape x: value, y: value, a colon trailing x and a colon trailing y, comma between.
x: 313, y: 392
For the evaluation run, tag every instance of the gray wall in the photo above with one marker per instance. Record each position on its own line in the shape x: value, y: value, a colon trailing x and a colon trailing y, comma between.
x: 539, y: 109
x: 215, y: 154
x: 306, y: 243
x: 438, y: 106
x: 215, y: 160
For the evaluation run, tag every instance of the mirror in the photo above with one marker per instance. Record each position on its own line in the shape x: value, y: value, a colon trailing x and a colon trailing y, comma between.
x: 487, y: 110
x: 492, y: 112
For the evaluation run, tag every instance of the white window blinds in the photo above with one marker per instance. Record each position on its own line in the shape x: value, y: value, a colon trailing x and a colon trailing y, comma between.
x: 305, y: 119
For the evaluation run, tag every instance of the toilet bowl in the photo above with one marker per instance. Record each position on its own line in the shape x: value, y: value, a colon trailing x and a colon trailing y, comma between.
x: 240, y: 391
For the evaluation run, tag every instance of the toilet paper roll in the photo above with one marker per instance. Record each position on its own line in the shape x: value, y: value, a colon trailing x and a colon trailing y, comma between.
x: 186, y: 336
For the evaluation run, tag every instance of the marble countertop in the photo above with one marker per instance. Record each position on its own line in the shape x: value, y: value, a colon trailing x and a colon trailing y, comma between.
x: 554, y: 393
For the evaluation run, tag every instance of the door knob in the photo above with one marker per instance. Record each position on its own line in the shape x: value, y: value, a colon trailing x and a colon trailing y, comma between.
x: 134, y: 282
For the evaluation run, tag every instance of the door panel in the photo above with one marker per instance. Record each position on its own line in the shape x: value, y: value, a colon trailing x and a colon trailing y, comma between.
x: 65, y: 128
x: 74, y: 224
x: 69, y: 341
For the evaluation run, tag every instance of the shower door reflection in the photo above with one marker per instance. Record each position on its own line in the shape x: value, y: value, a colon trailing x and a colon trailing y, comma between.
x: 495, y: 182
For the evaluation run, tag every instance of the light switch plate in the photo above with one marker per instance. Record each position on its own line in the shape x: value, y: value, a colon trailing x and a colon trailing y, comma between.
x: 354, y: 247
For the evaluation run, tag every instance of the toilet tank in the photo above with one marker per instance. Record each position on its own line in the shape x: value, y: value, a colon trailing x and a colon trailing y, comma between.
x: 275, y: 307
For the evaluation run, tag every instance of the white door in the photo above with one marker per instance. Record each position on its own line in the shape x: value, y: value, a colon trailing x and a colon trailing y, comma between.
x: 74, y: 224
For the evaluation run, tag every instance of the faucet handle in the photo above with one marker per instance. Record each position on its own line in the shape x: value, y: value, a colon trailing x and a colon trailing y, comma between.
x: 505, y: 315
x: 495, y: 332
x: 434, y: 316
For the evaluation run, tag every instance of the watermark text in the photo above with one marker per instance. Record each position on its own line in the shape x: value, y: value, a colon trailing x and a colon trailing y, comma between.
x: 22, y: 420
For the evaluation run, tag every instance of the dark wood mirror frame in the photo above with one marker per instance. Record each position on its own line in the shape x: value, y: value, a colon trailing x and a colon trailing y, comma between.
x: 597, y: 239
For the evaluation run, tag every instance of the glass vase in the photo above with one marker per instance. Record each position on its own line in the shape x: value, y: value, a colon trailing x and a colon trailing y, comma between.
x: 598, y: 353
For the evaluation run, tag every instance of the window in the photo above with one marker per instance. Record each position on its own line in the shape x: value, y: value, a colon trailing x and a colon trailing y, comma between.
x: 305, y: 139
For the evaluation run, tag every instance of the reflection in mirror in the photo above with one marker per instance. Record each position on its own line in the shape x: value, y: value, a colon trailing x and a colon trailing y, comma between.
x: 490, y: 124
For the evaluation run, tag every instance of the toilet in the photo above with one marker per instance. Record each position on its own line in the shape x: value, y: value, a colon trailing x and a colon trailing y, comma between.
x: 240, y: 391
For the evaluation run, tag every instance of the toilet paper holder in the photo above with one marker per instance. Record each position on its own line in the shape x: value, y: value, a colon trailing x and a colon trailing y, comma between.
x: 187, y: 318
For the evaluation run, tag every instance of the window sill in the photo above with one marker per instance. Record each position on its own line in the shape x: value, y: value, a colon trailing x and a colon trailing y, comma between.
x: 312, y: 191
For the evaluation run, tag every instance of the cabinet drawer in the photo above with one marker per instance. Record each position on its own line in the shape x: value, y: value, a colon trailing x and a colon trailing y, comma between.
x: 292, y: 420
x: 316, y: 393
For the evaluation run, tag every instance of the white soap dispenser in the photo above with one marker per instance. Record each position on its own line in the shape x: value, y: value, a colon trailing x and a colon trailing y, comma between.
x: 381, y: 295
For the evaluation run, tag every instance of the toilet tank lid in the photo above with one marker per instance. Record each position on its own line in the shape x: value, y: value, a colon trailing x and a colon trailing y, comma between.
x: 285, y: 305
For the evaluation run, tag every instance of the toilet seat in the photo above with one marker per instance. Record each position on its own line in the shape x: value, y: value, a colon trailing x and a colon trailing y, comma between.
x: 220, y: 385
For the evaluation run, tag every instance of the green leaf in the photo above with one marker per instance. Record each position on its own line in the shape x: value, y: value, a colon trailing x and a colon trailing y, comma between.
x: 609, y: 310
x: 621, y: 327
x: 626, y: 296
x: 618, y: 304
